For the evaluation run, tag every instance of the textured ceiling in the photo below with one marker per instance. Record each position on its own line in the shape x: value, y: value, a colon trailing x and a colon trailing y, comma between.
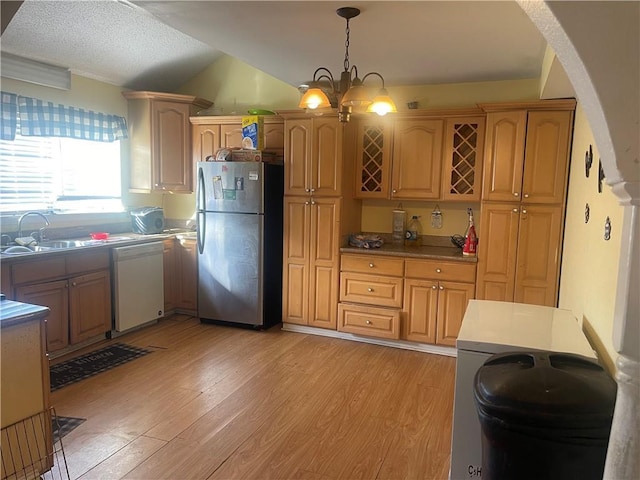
x: 159, y: 45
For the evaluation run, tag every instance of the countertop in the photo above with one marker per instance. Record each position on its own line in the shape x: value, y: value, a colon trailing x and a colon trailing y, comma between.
x: 115, y: 240
x: 13, y: 313
x: 424, y: 251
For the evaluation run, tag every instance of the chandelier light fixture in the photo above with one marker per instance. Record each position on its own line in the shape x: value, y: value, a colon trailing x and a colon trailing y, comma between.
x: 350, y: 95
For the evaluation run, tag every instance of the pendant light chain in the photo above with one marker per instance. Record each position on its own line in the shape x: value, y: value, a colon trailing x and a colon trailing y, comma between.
x: 346, y: 48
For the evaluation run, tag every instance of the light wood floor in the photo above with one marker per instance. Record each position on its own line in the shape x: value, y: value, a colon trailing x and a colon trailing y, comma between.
x: 215, y: 402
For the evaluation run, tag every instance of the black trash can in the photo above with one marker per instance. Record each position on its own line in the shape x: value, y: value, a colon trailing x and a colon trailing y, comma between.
x: 543, y: 415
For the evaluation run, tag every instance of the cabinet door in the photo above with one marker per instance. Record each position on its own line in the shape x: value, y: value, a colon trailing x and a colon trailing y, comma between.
x: 297, y: 156
x: 417, y: 159
x: 231, y: 135
x: 504, y: 155
x: 187, y: 258
x: 453, y: 298
x: 539, y: 244
x: 89, y: 305
x: 171, y: 147
x: 497, y: 251
x: 206, y: 141
x: 420, y: 310
x: 373, y: 159
x: 274, y: 137
x: 54, y: 295
x: 169, y: 274
x: 326, y: 158
x: 323, y: 265
x: 463, y: 154
x: 295, y: 272
x: 546, y: 157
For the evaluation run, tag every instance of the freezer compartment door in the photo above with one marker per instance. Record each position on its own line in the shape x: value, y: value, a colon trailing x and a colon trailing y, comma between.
x: 230, y: 268
x: 231, y: 187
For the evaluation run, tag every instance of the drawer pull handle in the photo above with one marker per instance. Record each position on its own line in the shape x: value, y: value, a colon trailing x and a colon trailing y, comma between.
x: 371, y: 265
x: 369, y: 289
x: 438, y: 270
x: 369, y: 322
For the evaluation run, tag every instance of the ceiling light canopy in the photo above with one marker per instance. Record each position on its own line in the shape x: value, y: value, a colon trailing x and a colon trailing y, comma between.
x: 350, y: 94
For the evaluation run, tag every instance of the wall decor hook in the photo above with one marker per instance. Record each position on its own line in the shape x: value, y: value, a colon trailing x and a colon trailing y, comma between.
x: 607, y: 229
x: 588, y: 160
x: 600, y: 175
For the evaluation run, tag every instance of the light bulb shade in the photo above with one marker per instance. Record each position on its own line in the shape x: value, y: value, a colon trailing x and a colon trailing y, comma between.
x: 356, y: 96
x: 314, y: 98
x: 382, y: 104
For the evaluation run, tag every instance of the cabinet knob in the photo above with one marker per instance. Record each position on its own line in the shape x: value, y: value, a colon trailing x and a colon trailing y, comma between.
x: 441, y: 287
x: 74, y: 284
x: 307, y: 190
x: 306, y: 203
x: 313, y: 190
x: 395, y: 191
x: 313, y: 202
x: 369, y: 289
x: 435, y: 287
x: 524, y: 210
x: 371, y: 265
x: 526, y: 195
x: 438, y: 270
x: 516, y: 194
x: 369, y: 322
x: 515, y: 210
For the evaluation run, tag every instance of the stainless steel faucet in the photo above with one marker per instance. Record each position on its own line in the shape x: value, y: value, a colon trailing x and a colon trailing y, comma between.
x: 46, y: 220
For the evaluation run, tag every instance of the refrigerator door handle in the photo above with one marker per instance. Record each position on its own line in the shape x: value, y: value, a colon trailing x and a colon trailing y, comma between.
x: 202, y: 225
x: 200, y: 192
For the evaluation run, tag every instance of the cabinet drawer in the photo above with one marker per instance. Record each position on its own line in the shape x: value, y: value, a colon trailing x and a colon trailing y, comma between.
x: 371, y: 289
x: 37, y: 271
x: 372, y: 264
x: 369, y: 321
x: 80, y: 262
x: 439, y: 270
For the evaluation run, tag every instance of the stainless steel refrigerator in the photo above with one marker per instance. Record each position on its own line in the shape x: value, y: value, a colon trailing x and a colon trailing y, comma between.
x: 239, y: 224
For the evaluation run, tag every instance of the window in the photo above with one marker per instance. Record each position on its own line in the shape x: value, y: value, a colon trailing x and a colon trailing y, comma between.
x: 61, y: 175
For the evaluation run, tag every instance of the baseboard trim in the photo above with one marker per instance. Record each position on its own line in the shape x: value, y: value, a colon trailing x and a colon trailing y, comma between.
x: 418, y: 347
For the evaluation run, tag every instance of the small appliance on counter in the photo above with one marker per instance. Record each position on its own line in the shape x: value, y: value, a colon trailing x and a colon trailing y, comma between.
x: 147, y: 220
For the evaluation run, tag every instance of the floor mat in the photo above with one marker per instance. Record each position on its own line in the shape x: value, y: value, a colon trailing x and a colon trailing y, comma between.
x: 79, y: 368
x: 64, y: 425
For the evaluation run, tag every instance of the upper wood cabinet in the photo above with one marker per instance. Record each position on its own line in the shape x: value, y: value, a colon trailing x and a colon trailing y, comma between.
x: 436, y: 156
x: 160, y: 141
x: 313, y: 156
x: 211, y: 133
x: 463, y: 158
x: 373, y: 157
x: 526, y: 156
x: 417, y: 159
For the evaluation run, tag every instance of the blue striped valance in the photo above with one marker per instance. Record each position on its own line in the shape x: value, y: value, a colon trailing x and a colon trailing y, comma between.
x: 8, y: 115
x: 45, y: 119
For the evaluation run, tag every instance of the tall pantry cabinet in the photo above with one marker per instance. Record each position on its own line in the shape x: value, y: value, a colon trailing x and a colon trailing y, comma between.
x: 525, y: 178
x: 319, y: 211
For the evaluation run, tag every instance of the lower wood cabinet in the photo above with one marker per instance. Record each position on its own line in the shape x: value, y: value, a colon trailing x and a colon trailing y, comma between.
x: 436, y: 294
x: 80, y: 304
x: 180, y: 259
x: 519, y: 256
x: 404, y: 298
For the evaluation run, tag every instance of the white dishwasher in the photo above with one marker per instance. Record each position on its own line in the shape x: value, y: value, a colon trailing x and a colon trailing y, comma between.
x: 138, y: 288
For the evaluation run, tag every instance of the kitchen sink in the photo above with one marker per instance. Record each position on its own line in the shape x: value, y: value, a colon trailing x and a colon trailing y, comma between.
x: 55, y: 244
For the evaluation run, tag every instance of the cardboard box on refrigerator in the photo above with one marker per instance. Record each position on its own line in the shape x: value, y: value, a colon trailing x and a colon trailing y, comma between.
x: 253, y: 132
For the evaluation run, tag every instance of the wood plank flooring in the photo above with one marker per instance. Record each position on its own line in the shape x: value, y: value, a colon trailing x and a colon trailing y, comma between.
x: 213, y: 402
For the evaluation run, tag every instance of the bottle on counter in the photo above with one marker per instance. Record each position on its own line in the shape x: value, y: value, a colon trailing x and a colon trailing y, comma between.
x: 399, y: 224
x: 413, y: 235
x: 470, y: 238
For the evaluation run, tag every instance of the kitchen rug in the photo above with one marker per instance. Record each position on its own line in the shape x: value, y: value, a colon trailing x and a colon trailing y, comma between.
x: 85, y: 366
x: 63, y: 425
